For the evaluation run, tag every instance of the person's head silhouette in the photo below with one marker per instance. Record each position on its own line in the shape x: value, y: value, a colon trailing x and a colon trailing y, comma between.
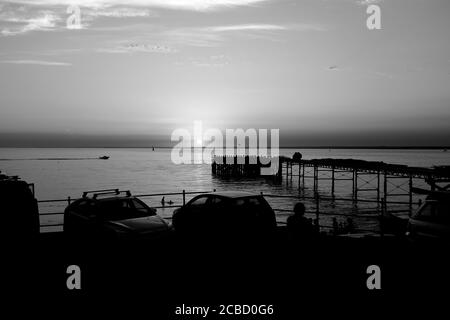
x: 299, y: 209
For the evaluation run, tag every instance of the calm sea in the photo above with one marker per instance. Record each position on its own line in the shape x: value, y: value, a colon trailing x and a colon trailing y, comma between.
x: 145, y: 171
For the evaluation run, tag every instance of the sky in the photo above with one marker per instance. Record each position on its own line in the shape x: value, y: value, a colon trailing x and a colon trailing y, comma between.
x: 135, y: 70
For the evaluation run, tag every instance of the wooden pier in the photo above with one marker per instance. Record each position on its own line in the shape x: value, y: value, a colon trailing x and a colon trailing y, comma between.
x: 384, y: 181
x: 244, y: 166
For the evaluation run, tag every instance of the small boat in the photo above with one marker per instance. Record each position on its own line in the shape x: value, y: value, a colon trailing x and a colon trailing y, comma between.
x: 104, y: 157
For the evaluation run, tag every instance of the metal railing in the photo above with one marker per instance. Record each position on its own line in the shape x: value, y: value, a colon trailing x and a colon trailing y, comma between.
x: 379, y: 210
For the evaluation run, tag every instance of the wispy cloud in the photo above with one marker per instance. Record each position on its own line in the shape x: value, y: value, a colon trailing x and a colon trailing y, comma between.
x: 22, y: 16
x: 171, y: 40
x: 22, y: 22
x: 248, y: 27
x: 368, y: 2
x: 138, y: 48
x: 192, y: 37
x: 364, y: 72
x: 197, y: 5
x: 267, y: 27
x: 38, y: 62
x: 90, y: 14
x: 118, y: 12
x: 213, y: 36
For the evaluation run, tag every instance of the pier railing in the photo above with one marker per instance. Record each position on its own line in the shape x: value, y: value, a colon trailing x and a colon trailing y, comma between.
x: 382, y: 179
x: 314, y: 210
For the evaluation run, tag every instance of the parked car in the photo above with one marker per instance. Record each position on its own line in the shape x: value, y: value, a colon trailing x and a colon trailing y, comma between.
x: 432, y: 220
x: 20, y: 214
x: 225, y: 214
x: 112, y: 214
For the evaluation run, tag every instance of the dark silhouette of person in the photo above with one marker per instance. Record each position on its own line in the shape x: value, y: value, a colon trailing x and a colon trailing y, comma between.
x: 335, y: 226
x: 163, y: 201
x: 297, y: 157
x: 350, y: 226
x: 298, y: 225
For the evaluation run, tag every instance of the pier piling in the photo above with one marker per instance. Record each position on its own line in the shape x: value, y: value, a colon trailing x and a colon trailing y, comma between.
x: 382, y: 179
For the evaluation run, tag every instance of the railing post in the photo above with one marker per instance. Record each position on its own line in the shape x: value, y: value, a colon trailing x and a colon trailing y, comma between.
x: 332, y: 181
x: 317, y: 209
x: 410, y: 194
x: 315, y: 177
x: 378, y: 186
x: 184, y: 197
x: 299, y: 176
x: 382, y: 215
x: 287, y: 170
x: 432, y: 184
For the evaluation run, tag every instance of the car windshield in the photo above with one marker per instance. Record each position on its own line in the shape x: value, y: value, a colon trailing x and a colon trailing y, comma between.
x: 253, y: 204
x: 121, y: 209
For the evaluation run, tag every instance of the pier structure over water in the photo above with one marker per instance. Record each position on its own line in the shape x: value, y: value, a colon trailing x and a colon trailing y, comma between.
x: 382, y: 179
x: 246, y: 166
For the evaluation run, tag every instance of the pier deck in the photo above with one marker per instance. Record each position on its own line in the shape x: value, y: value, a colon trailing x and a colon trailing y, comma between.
x: 384, y: 180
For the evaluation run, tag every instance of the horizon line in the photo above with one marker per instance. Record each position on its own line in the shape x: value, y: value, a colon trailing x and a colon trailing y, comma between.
x: 281, y: 147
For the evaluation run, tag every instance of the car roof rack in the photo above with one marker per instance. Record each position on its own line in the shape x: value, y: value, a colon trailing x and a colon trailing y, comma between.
x: 96, y: 193
x: 9, y: 178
